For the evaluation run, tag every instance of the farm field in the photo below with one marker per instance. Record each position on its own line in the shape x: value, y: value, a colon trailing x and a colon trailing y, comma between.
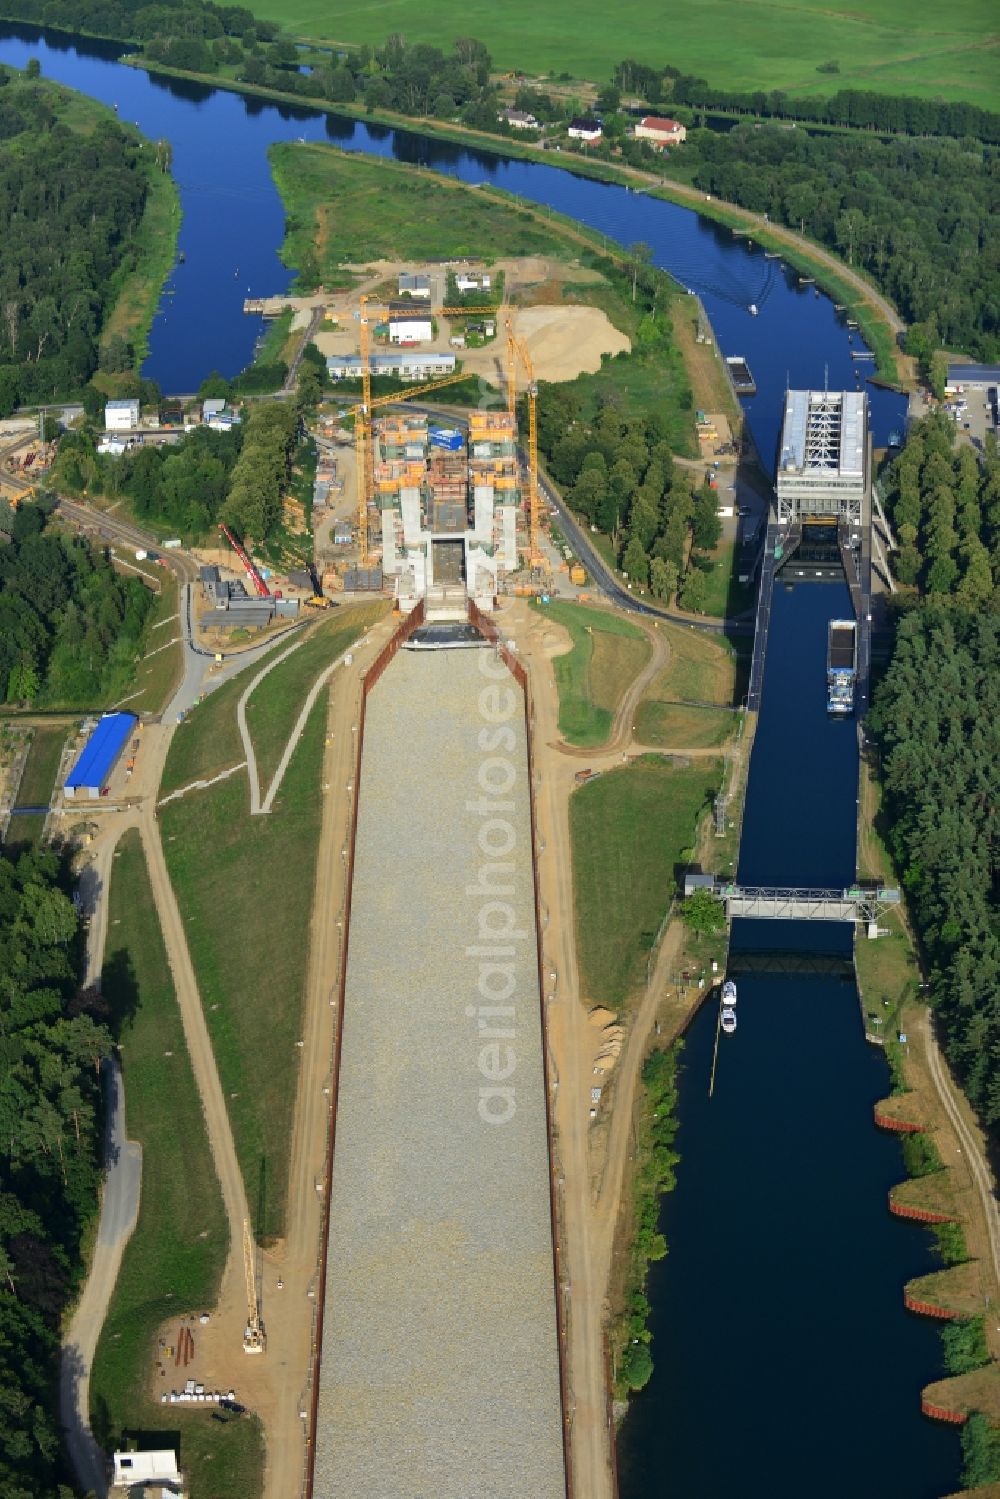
x: 888, y: 45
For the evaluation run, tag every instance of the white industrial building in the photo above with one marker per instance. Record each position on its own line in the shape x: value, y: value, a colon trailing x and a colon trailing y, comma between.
x: 121, y: 416
x: 143, y: 1475
x: 409, y: 326
x: 825, y: 459
x: 413, y: 365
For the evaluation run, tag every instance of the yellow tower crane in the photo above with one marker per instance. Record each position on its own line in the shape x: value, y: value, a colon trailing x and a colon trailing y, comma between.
x: 364, y: 435
x: 254, y: 1340
x: 517, y: 351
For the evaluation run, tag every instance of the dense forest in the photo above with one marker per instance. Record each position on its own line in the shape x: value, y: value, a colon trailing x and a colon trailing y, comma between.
x: 52, y: 1039
x: 944, y: 503
x: 936, y: 719
x: 617, y: 473
x: 918, y: 215
x: 206, y: 477
x: 862, y: 109
x: 183, y: 485
x: 70, y: 626
x: 129, y: 22
x: 70, y: 204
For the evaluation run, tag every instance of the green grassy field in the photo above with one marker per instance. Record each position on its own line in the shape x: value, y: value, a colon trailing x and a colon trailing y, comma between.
x: 273, y: 707
x: 244, y: 886
x: 335, y: 206
x: 209, y: 739
x: 725, y: 595
x: 886, y: 45
x: 675, y: 726
x: 157, y: 676
x: 174, y: 1261
x: 607, y: 654
x: 628, y: 829
x: 40, y: 768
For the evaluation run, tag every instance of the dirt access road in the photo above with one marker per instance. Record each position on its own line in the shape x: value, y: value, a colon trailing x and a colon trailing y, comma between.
x: 591, y: 1165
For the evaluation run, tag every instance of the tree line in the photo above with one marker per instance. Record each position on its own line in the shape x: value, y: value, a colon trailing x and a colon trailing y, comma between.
x: 53, y: 1038
x: 917, y: 215
x: 70, y: 205
x: 944, y: 503
x: 70, y: 625
x: 936, y: 720
x: 238, y: 477
x: 617, y: 474
x: 864, y: 109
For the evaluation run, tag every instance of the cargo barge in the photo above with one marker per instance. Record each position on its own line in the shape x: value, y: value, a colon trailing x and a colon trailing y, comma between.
x: 739, y: 371
x: 841, y: 666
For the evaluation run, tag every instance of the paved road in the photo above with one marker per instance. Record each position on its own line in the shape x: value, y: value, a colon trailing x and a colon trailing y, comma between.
x: 119, y: 1211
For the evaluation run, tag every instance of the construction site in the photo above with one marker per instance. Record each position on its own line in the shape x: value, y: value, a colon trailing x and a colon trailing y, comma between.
x: 447, y: 512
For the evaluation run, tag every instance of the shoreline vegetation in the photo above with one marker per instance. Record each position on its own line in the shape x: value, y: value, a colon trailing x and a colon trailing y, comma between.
x: 803, y: 255
x: 124, y: 253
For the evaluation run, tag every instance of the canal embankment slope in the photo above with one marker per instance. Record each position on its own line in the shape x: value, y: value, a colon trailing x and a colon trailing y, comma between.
x: 440, y: 1353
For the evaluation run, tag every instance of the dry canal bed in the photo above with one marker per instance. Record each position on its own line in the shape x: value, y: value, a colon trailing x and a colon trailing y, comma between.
x: 440, y: 1371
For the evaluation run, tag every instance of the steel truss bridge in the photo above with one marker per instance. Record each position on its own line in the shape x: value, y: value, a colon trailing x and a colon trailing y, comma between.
x: 864, y: 903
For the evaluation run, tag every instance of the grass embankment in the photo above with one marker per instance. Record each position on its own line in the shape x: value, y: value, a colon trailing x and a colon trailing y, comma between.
x: 174, y: 1261
x: 725, y: 596
x: 887, y: 968
x: 607, y: 654
x: 273, y: 707
x: 159, y: 672
x: 888, y: 46
x: 629, y: 830
x: 244, y: 886
x: 687, y: 703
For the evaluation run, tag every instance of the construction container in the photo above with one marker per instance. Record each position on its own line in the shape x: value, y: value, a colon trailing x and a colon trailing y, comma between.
x: 577, y: 575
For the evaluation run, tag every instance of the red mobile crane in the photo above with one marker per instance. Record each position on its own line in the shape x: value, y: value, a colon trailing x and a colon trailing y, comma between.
x: 260, y: 587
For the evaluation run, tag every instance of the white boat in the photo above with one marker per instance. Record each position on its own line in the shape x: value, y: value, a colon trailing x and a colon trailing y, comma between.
x: 752, y: 309
x: 729, y: 992
x: 728, y: 1020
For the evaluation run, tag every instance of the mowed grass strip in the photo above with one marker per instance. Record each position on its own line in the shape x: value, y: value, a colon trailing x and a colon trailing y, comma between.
x: 209, y: 738
x: 41, y: 766
x: 607, y: 654
x: 244, y: 886
x: 678, y: 726
x: 174, y: 1261
x: 725, y: 595
x: 628, y: 828
x: 274, y: 705
x: 158, y: 675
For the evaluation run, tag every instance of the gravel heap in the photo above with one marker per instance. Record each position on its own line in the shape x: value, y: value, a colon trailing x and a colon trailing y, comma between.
x: 440, y: 1376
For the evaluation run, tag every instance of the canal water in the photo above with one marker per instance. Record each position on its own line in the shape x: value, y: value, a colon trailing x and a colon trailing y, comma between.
x: 785, y: 1364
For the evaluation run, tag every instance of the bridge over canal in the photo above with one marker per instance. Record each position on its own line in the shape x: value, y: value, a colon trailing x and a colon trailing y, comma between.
x: 864, y: 903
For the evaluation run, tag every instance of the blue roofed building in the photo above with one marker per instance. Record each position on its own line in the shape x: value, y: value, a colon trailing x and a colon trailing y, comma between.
x: 99, y: 755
